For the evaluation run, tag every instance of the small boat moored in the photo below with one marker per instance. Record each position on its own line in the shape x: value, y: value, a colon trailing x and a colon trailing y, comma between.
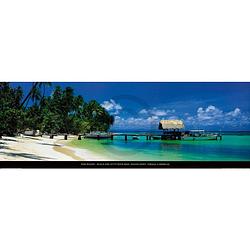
x: 200, y: 135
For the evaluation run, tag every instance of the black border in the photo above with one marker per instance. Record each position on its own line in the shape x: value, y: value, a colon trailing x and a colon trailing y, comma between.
x: 124, y: 164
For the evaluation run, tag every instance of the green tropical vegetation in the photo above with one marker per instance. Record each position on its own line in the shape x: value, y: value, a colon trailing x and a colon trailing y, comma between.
x: 61, y: 112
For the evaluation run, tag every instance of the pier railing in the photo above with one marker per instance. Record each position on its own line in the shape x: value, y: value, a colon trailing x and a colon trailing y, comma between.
x: 136, y: 136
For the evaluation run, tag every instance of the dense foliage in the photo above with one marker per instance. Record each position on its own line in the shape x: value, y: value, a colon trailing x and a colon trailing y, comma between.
x: 61, y: 112
x: 11, y: 115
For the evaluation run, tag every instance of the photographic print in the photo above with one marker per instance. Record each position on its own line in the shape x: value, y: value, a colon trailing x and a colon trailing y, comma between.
x: 88, y: 124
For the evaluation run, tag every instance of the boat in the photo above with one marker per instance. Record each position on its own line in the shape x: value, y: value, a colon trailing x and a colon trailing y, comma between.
x: 200, y: 135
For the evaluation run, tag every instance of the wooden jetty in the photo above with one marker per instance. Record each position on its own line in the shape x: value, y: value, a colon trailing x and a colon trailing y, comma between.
x: 170, y: 135
x: 172, y: 130
x: 133, y: 136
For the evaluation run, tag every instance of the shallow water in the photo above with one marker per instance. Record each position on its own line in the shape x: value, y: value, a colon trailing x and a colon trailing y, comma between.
x: 231, y: 148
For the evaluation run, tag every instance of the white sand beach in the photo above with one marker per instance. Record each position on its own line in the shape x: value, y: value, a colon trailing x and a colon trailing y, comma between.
x: 28, y: 148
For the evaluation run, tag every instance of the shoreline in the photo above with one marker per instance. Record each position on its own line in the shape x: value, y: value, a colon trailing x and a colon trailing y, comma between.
x: 34, y: 148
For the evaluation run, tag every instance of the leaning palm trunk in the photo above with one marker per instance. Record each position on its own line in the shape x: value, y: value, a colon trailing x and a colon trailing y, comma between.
x: 34, y: 85
x: 35, y: 89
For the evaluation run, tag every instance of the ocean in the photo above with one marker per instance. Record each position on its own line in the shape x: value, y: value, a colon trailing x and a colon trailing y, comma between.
x: 234, y: 146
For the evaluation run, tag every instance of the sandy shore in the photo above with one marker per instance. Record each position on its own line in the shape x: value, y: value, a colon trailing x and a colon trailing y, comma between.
x: 29, y: 148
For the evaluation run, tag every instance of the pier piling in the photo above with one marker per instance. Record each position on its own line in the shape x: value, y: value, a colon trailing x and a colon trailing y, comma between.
x: 165, y: 136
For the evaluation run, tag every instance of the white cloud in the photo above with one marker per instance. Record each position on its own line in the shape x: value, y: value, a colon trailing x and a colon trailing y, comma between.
x: 153, y: 119
x: 145, y: 122
x: 117, y: 117
x: 212, y: 115
x: 143, y: 112
x: 137, y: 122
x: 173, y: 117
x: 156, y: 112
x: 159, y: 112
x: 208, y: 114
x: 111, y: 106
x: 234, y: 113
x: 204, y: 117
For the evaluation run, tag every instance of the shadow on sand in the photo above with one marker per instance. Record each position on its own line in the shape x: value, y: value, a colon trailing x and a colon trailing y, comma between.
x: 50, y: 144
x: 32, y: 138
x: 2, y: 145
x: 5, y: 139
x: 25, y: 155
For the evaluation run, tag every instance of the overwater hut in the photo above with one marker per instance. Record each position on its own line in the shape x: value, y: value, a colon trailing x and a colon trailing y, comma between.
x: 171, y: 129
x: 171, y: 124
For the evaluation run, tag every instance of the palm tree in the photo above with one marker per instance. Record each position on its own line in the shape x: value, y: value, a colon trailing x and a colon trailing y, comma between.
x: 35, y: 92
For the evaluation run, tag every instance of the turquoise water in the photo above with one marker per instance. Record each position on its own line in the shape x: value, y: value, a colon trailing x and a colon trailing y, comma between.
x: 231, y: 148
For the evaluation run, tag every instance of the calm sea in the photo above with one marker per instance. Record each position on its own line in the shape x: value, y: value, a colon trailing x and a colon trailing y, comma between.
x: 235, y: 146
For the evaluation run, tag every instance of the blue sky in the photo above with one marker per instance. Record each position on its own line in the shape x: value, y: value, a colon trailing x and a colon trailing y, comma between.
x: 140, y: 106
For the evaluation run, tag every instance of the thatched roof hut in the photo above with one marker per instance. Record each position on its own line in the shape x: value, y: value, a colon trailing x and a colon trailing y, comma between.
x: 171, y: 124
